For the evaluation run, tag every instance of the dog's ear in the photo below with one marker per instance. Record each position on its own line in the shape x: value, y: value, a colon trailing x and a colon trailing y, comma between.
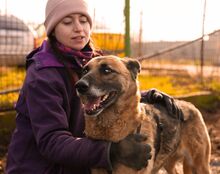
x: 133, y: 66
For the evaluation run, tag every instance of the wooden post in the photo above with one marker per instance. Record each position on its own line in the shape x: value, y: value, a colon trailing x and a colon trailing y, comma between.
x: 140, y: 36
x: 202, y: 44
x: 127, y: 29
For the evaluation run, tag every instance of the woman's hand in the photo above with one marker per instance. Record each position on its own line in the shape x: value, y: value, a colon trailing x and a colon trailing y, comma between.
x: 131, y: 151
x: 153, y: 96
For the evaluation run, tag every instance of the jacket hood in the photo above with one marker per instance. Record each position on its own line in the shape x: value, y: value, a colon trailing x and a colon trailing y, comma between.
x: 43, y: 56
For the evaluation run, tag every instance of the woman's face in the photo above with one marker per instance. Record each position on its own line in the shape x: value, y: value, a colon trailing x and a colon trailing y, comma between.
x: 73, y: 31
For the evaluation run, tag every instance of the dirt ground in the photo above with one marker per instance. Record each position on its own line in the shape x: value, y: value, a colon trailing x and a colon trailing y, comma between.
x: 212, y: 121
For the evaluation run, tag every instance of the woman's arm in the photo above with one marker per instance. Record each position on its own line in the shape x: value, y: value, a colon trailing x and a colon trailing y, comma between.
x: 155, y: 96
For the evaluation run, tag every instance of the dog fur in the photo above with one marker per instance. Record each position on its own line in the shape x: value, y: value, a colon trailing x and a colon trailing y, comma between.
x: 171, y: 139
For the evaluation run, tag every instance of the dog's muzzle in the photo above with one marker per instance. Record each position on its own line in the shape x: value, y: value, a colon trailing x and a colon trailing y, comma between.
x: 94, y: 99
x: 82, y: 87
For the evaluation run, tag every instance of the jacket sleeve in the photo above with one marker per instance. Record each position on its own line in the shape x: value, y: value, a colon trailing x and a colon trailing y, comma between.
x: 50, y: 125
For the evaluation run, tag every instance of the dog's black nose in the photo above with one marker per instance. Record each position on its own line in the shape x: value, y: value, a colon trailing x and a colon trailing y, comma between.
x: 82, y: 86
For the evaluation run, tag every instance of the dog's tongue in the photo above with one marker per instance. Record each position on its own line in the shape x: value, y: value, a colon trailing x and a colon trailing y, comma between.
x: 93, y: 101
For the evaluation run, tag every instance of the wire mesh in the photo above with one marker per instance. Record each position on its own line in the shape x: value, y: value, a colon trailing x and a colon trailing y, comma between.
x: 19, y: 36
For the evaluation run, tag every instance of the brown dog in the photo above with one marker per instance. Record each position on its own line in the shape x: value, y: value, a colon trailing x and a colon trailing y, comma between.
x: 110, y: 94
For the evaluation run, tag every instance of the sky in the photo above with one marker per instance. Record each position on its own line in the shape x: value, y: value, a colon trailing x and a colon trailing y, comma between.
x: 162, y: 20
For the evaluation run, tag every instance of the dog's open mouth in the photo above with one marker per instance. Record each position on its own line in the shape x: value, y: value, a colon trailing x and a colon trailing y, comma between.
x: 95, y: 105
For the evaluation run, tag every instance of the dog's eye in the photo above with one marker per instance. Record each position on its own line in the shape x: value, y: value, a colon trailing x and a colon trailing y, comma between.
x: 85, y: 70
x: 106, y: 69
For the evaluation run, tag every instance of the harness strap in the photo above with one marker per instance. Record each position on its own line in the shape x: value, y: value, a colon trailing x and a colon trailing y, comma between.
x: 158, y: 137
x: 158, y: 133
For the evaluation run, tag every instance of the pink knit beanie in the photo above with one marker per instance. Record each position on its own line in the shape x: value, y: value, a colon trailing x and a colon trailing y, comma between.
x: 58, y: 9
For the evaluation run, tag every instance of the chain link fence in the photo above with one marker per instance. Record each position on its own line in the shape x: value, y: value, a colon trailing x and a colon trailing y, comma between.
x: 18, y: 38
x: 188, y: 56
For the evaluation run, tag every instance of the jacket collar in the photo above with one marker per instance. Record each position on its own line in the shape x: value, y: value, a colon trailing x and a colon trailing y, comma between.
x: 44, y: 57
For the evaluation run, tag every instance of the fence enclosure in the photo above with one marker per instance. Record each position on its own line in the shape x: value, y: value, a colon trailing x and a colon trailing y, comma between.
x: 18, y: 38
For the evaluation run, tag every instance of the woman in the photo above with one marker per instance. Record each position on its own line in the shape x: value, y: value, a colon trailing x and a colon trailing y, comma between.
x: 49, y: 137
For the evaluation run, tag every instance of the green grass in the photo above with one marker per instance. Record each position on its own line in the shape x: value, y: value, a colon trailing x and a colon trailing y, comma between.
x: 185, y: 87
x: 175, y: 83
x: 11, y: 77
x: 174, y: 86
x: 209, y: 103
x: 7, y: 125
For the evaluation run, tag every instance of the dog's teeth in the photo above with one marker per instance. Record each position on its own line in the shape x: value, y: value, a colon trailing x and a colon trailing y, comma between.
x: 105, y: 97
x: 94, y: 107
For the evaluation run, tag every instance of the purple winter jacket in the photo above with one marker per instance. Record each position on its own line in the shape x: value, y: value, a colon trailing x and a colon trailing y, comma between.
x: 49, y: 137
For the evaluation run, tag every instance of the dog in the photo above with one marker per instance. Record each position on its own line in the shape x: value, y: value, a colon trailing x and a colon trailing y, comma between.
x: 109, y: 92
